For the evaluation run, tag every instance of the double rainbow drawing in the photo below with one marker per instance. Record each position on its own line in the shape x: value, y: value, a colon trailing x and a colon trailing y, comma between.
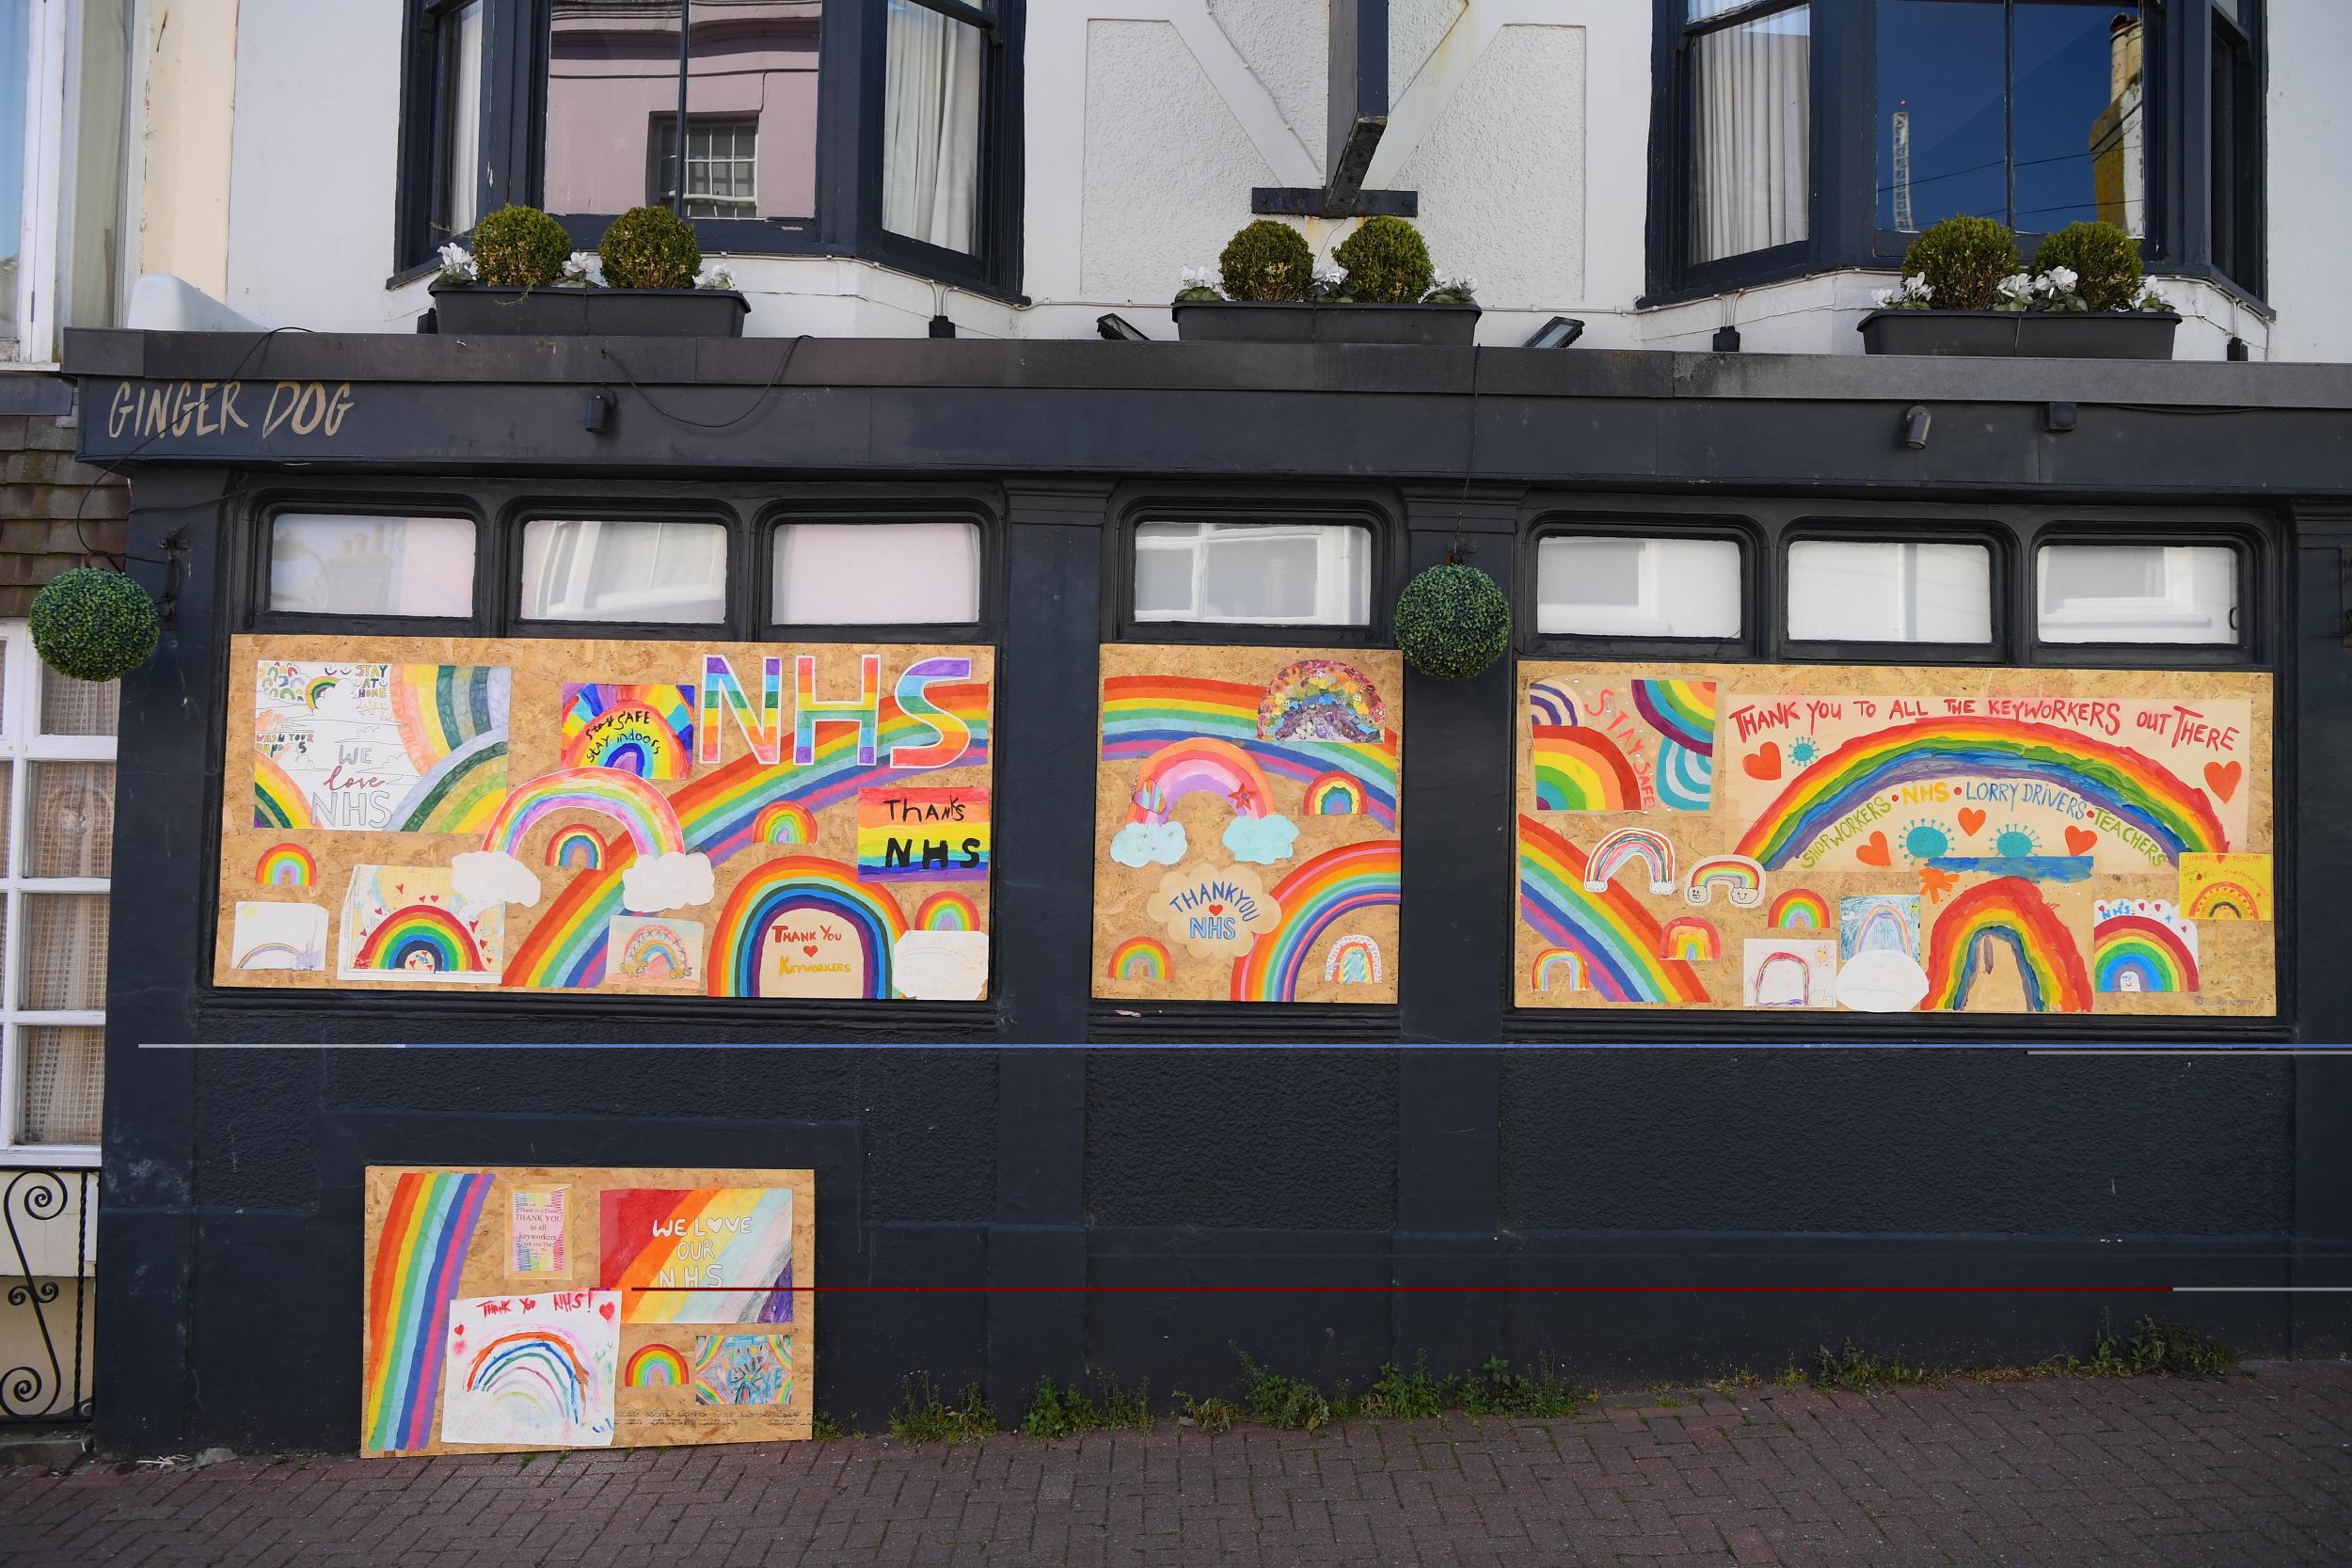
x: 1321, y: 891
x: 1631, y: 846
x: 1614, y: 938
x: 419, y: 1251
x: 2006, y: 913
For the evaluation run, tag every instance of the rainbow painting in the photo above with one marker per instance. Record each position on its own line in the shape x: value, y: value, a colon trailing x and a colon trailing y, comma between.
x: 1686, y: 778
x: 1798, y: 909
x: 654, y: 1365
x: 1579, y: 769
x: 1336, y: 795
x: 1321, y: 699
x: 533, y: 1372
x: 699, y: 1255
x: 286, y: 865
x: 1560, y: 969
x: 655, y: 950
x: 1689, y: 936
x: 419, y: 1251
x: 1550, y: 704
x: 1143, y: 715
x: 1200, y: 767
x: 1617, y: 938
x: 947, y: 911
x: 1878, y: 923
x: 1327, y: 888
x: 2141, y: 947
x: 642, y: 811
x: 2178, y: 818
x: 784, y: 822
x: 2006, y: 913
x: 1138, y: 959
x: 1681, y: 711
x: 1741, y: 879
x: 576, y: 849
x: 2226, y: 887
x: 565, y: 948
x: 644, y: 730
x: 777, y: 888
x: 743, y: 1368
x: 1652, y: 851
x: 1353, y: 960
x: 421, y: 937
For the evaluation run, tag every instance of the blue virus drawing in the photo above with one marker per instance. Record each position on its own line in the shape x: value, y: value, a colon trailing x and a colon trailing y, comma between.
x: 2015, y: 843
x: 1924, y: 841
x: 1802, y: 751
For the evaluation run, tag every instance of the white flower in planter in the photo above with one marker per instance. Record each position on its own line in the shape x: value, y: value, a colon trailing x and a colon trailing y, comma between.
x: 458, y: 264
x: 2016, y: 292
x: 714, y: 275
x: 584, y: 269
x: 1909, y: 293
x: 2150, y: 298
x: 1198, y: 286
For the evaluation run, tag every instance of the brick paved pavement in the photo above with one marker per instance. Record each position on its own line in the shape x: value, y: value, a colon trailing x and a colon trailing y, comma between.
x: 2247, y: 1471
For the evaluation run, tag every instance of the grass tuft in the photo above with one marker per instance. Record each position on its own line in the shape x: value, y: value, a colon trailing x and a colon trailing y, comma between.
x: 1057, y: 1411
x: 921, y: 1418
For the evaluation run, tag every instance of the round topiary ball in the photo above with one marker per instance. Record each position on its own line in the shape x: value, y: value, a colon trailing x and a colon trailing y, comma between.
x: 2104, y: 259
x: 650, y: 247
x: 1266, y: 261
x: 1386, y: 262
x: 1963, y: 260
x: 521, y: 247
x: 1452, y: 622
x: 94, y: 623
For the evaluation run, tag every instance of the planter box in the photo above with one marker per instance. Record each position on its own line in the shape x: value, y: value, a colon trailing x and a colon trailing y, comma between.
x: 2022, y: 334
x: 1284, y: 322
x: 561, y: 311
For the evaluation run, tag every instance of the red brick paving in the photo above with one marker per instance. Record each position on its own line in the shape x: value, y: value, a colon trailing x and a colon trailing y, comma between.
x: 2062, y: 1471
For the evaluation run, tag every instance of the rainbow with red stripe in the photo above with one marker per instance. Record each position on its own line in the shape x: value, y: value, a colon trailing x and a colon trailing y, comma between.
x: 2006, y: 912
x: 1798, y: 909
x: 428, y: 931
x: 1618, y: 939
x: 1138, y: 959
x: 1145, y: 714
x: 419, y: 1252
x: 778, y: 887
x: 947, y: 911
x: 286, y: 865
x: 1334, y: 885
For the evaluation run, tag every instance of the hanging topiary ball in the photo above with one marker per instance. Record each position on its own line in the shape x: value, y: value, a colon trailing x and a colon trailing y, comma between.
x: 94, y: 623
x: 1452, y: 622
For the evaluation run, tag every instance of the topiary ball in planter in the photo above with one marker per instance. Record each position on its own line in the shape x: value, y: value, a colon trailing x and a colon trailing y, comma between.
x: 1963, y: 260
x: 94, y: 623
x: 1386, y: 262
x: 2103, y: 259
x: 521, y: 247
x: 1267, y: 262
x: 1452, y: 622
x: 649, y: 247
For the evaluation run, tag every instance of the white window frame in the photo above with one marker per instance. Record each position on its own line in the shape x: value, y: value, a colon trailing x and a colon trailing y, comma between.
x: 2176, y: 606
x: 22, y: 744
x: 45, y: 33
x: 1340, y: 545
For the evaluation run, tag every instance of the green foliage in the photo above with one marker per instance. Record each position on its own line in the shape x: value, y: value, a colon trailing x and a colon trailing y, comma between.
x: 1413, y: 1396
x: 1963, y: 260
x: 1453, y: 622
x: 2103, y: 259
x: 521, y: 247
x: 649, y: 247
x: 2157, y: 1345
x: 1495, y: 1389
x: 1858, y: 1372
x: 94, y: 623
x: 1288, y: 1403
x: 1386, y: 262
x: 824, y: 1429
x: 1452, y: 291
x: 1267, y: 260
x: 1210, y: 1415
x: 921, y: 1418
x: 1057, y: 1411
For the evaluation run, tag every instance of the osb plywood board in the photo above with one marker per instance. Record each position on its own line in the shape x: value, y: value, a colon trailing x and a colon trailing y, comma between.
x: 1244, y: 821
x: 523, y: 1308
x: 1883, y: 839
x: 660, y: 818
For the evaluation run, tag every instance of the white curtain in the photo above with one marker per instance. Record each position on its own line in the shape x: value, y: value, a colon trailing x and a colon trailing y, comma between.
x: 931, y: 128
x: 1751, y: 91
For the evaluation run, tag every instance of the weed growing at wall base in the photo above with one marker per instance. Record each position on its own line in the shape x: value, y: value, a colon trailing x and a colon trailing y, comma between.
x: 921, y: 1418
x: 1058, y: 1411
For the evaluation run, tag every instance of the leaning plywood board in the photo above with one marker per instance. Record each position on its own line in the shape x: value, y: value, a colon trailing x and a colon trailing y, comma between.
x: 513, y: 1309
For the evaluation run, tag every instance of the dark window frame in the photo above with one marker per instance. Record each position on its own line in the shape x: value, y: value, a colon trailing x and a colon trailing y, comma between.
x: 1842, y: 229
x: 507, y: 587
x: 1783, y: 647
x: 852, y: 55
x: 1534, y: 642
x: 1134, y: 506
x: 250, y: 562
x: 2243, y: 547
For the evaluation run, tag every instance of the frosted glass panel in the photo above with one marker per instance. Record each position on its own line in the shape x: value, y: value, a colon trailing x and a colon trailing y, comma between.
x: 322, y: 565
x: 1610, y: 587
x: 65, y: 1082
x: 2136, y: 592
x: 1889, y: 593
x: 633, y: 569
x: 72, y: 818
x: 65, y: 951
x: 877, y: 574
x: 1254, y: 574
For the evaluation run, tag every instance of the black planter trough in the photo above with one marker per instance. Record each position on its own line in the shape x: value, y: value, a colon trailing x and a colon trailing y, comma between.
x: 559, y: 311
x: 1285, y: 322
x: 2022, y: 334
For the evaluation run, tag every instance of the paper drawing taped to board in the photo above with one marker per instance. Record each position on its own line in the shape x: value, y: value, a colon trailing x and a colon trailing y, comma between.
x: 661, y: 951
x: 922, y: 836
x: 409, y: 923
x: 743, y: 1368
x: 644, y: 730
x: 369, y: 747
x: 698, y: 1255
x: 534, y: 1222
x: 2142, y: 945
x: 941, y: 965
x: 280, y: 936
x: 2225, y: 887
x: 1214, y: 911
x: 1789, y: 971
x: 532, y: 1370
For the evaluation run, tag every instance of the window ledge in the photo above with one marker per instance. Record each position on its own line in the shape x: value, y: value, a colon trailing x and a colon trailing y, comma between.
x: 50, y: 1156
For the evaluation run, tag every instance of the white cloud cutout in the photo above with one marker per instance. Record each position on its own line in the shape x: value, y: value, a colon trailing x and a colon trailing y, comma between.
x: 1261, y: 840
x: 493, y: 877
x: 666, y: 882
x: 1149, y: 843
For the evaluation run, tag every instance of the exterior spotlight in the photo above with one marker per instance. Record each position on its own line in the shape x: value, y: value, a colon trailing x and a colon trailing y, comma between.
x: 1915, y: 422
x: 1559, y: 332
x: 1120, y: 330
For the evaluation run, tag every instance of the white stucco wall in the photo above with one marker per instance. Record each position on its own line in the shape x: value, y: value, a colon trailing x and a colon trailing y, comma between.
x: 2310, y: 191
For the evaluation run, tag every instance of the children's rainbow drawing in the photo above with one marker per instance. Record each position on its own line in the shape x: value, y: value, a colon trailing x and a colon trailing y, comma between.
x: 1878, y: 923
x: 2225, y: 901
x: 1580, y: 768
x: 1336, y: 795
x: 644, y: 730
x: 1200, y: 767
x: 1353, y: 960
x: 278, y: 800
x: 1329, y: 888
x: 2007, y: 912
x: 784, y: 822
x: 422, y: 937
x: 947, y: 911
x: 654, y: 1366
x: 419, y: 1251
x: 1139, y: 958
x: 743, y: 1368
x: 1145, y: 714
x: 1798, y: 909
x: 449, y: 721
x: 536, y: 1380
x: 1560, y: 969
x: 1683, y: 711
x: 641, y: 809
x: 576, y: 849
x: 658, y: 1242
x: 1321, y: 699
x: 286, y: 865
x: 2178, y: 819
x: 452, y: 721
x: 1550, y: 704
x: 1741, y: 879
x: 1628, y: 847
x: 1617, y: 939
x: 777, y: 888
x: 564, y: 949
x: 2226, y: 887
x: 1690, y: 937
x: 1686, y: 778
x: 2132, y: 951
x: 1782, y: 981
x: 659, y: 952
x: 315, y: 690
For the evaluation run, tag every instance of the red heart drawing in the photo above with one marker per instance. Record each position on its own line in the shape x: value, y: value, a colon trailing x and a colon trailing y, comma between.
x: 607, y: 1310
x: 1970, y: 820
x: 1765, y: 764
x: 2079, y: 840
x: 1216, y: 908
x: 2223, y: 778
x: 810, y: 950
x: 1875, y: 852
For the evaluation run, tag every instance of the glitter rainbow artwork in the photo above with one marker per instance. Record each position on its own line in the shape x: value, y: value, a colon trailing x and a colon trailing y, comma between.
x: 1741, y: 879
x: 1336, y: 795
x: 418, y: 1252
x: 644, y: 730
x: 1580, y: 768
x: 1325, y: 889
x: 1353, y: 960
x: 642, y: 811
x: 1321, y: 699
x: 1798, y: 909
x: 1639, y: 847
x: 286, y: 865
x: 654, y: 1365
x: 575, y: 850
x: 1145, y: 714
x: 656, y: 1243
x: 946, y: 911
x: 1619, y: 941
x: 1139, y: 958
x: 2141, y: 947
x: 2004, y: 914
x: 1689, y: 936
x: 778, y: 887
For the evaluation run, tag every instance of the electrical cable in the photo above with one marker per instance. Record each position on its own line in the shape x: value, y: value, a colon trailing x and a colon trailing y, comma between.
x: 782, y: 364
